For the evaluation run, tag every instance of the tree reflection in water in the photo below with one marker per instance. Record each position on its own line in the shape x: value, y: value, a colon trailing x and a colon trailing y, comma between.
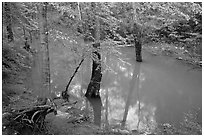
x: 123, y: 110
x: 159, y: 89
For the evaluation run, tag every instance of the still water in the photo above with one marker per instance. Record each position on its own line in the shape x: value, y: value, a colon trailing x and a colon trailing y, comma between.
x: 142, y: 95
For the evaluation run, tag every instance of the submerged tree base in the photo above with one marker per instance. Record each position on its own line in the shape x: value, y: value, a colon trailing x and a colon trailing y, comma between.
x: 138, y: 50
x: 94, y: 98
x: 139, y: 59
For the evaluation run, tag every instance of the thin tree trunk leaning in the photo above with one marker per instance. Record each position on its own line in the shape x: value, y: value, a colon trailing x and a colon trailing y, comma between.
x: 65, y: 95
x: 92, y: 93
x: 8, y: 19
x: 137, y: 34
x: 134, y: 82
x: 73, y: 75
x: 45, y: 53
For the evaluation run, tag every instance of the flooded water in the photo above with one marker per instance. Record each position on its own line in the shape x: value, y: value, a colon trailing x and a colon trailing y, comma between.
x: 141, y: 95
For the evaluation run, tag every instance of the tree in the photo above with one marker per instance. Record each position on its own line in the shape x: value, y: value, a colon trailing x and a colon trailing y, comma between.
x: 8, y: 21
x: 17, y: 14
x: 137, y: 34
x: 92, y: 93
x: 44, y: 51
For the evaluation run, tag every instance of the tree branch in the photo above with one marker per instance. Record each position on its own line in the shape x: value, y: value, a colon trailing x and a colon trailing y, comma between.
x: 64, y: 93
x: 73, y: 75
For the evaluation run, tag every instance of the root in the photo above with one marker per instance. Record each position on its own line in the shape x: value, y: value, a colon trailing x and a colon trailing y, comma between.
x: 31, y: 120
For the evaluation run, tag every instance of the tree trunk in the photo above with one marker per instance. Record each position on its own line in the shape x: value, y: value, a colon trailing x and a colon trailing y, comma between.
x: 134, y: 81
x: 106, y: 110
x: 44, y: 52
x: 65, y: 95
x: 31, y: 39
x: 24, y: 33
x: 83, y: 85
x: 137, y: 34
x: 92, y: 93
x: 138, y: 49
x: 79, y: 10
x: 8, y: 19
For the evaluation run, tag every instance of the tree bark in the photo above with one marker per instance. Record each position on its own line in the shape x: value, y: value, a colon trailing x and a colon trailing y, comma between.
x: 31, y: 39
x: 65, y: 95
x: 92, y: 93
x: 79, y: 10
x: 137, y: 34
x: 8, y: 19
x: 45, y: 52
x: 106, y: 110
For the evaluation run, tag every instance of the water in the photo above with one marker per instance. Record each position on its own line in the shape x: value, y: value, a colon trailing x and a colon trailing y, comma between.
x: 138, y: 95
x: 167, y: 88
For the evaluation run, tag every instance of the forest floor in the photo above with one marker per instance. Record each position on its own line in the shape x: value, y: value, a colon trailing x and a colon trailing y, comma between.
x: 69, y: 119
x: 72, y: 121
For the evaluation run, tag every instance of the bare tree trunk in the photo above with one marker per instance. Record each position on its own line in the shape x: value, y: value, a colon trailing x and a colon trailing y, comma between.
x: 24, y: 33
x: 65, y: 95
x: 30, y: 34
x: 79, y: 10
x: 45, y: 52
x: 137, y: 34
x: 8, y: 19
x: 106, y: 110
x: 138, y: 49
x: 92, y: 93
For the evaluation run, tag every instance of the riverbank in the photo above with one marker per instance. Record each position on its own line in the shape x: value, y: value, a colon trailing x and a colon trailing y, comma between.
x: 175, y: 51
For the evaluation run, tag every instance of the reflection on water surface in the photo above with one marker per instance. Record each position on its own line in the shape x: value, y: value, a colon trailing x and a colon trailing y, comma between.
x: 142, y: 95
x: 164, y: 92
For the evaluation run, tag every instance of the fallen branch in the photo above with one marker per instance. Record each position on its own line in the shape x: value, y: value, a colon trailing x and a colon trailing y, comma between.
x: 73, y: 75
x: 64, y: 93
x: 30, y: 119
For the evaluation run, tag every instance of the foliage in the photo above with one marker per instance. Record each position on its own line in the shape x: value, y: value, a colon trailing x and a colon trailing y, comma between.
x: 15, y: 65
x: 21, y: 15
x: 72, y: 29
